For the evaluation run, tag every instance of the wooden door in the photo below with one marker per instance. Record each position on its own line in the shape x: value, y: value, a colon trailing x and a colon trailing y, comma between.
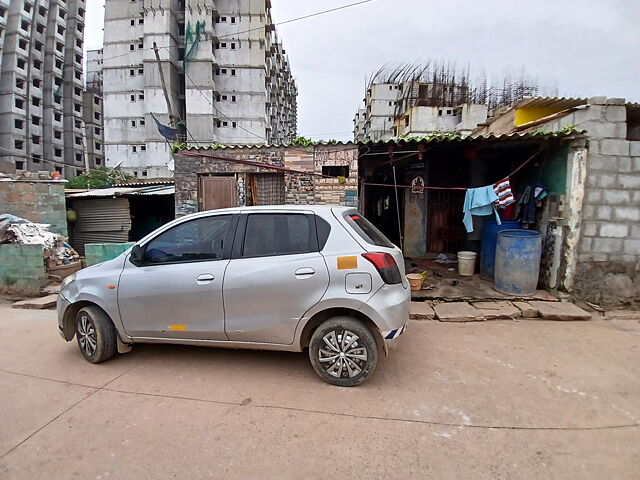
x: 218, y: 192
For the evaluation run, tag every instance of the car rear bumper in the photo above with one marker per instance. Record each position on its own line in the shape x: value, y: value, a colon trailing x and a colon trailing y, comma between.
x: 391, y: 337
x: 389, y: 308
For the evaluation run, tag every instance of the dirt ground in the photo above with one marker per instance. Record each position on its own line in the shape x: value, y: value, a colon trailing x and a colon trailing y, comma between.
x: 490, y: 400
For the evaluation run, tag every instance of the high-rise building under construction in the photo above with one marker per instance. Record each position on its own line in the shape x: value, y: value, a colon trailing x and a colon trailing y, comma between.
x: 218, y: 74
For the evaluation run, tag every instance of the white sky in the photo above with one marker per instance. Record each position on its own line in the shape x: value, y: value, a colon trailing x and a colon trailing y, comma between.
x: 587, y: 47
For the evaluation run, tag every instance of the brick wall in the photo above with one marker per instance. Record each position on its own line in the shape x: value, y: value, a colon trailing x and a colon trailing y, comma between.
x: 22, y: 269
x: 40, y: 201
x: 300, y: 188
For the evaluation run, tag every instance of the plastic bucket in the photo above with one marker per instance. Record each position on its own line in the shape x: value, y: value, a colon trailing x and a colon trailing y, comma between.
x: 415, y: 281
x: 466, y: 263
x: 518, y: 255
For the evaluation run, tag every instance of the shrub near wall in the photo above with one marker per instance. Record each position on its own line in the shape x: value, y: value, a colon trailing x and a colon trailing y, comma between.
x: 22, y: 269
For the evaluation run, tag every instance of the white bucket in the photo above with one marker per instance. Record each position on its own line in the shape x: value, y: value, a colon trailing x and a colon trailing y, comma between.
x: 466, y: 263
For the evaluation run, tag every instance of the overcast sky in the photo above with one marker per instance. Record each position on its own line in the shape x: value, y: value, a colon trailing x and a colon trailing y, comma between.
x: 586, y: 47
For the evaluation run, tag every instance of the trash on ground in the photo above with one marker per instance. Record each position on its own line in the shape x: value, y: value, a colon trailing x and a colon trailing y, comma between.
x: 442, y: 258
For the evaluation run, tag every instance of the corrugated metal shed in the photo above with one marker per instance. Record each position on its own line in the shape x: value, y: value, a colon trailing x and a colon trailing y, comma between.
x: 543, y: 102
x: 101, y: 220
x: 428, y: 139
x: 114, y: 192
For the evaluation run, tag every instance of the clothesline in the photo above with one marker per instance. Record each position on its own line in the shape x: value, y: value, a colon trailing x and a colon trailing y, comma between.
x: 520, y: 167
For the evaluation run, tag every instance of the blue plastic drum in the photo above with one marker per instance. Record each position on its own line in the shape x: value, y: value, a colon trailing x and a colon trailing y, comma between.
x: 518, y: 254
x: 489, y: 240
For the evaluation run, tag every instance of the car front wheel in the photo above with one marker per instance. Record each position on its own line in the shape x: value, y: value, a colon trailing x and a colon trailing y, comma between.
x: 96, y: 335
x: 343, y: 351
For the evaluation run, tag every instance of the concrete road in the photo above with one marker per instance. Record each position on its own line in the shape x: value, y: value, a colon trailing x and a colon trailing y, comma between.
x: 494, y: 400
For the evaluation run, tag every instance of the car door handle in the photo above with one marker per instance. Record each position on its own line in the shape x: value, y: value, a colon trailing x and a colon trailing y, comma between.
x: 304, y: 272
x: 204, y: 279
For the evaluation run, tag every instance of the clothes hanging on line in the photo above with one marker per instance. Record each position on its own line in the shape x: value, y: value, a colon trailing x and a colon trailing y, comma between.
x: 479, y: 201
x: 503, y: 191
x: 530, y: 197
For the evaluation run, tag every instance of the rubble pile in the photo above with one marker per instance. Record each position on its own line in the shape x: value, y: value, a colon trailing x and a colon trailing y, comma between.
x: 57, y: 253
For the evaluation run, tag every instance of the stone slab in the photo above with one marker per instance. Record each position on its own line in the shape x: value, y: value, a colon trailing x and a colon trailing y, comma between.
x: 498, y: 310
x: 526, y: 310
x: 457, y: 312
x: 53, y: 289
x: 560, y: 311
x: 41, y: 303
x: 622, y: 315
x: 421, y: 311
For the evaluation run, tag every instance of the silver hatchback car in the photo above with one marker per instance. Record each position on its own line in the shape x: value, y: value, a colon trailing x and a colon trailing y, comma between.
x: 273, y: 278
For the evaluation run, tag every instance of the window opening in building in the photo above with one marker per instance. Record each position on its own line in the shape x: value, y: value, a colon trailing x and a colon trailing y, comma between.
x: 19, y: 165
x: 19, y: 124
x: 134, y: 149
x: 336, y: 170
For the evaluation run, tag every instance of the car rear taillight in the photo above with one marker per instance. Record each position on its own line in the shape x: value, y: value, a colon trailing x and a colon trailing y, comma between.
x: 386, y: 266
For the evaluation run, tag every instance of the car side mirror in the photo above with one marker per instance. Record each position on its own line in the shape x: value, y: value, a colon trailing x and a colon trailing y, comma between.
x: 137, y: 255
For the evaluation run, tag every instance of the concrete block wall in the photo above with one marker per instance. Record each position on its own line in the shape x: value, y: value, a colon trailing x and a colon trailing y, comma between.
x: 22, y: 269
x: 608, y: 268
x: 101, y: 252
x: 40, y: 201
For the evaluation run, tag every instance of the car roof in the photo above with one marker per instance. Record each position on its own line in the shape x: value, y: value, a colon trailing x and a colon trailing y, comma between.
x: 294, y: 208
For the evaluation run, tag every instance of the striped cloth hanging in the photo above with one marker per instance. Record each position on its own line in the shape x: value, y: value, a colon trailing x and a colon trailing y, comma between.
x: 503, y: 191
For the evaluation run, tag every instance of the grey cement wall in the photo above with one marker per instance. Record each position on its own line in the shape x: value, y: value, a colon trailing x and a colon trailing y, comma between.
x: 608, y: 264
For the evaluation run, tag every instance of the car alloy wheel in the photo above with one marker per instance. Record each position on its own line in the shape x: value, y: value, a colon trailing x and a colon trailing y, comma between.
x: 342, y: 355
x: 87, y: 336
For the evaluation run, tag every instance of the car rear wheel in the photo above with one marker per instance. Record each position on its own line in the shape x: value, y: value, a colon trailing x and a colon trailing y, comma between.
x: 96, y: 335
x: 343, y: 351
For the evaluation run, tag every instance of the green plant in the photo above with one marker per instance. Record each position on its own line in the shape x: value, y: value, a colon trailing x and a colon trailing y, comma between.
x: 98, y: 178
x: 301, y: 142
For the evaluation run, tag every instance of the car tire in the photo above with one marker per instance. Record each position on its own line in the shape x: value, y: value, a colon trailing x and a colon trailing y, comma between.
x: 337, y: 357
x: 95, y: 334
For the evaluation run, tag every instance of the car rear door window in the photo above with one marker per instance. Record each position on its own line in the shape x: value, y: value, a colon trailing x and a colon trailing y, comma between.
x: 365, y: 229
x: 270, y: 234
x: 195, y: 240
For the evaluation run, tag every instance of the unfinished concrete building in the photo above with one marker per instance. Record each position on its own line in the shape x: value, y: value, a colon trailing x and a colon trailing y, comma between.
x: 413, y: 100
x: 226, y: 79
x: 41, y: 120
x: 92, y: 110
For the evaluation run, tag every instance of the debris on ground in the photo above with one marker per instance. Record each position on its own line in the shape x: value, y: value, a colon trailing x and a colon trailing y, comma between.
x: 60, y: 258
x: 41, y: 303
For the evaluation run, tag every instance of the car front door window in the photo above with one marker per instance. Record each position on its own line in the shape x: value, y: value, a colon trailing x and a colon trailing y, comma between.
x: 196, y: 240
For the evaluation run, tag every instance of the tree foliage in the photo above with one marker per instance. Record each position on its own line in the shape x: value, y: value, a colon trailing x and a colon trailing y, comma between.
x: 98, y: 178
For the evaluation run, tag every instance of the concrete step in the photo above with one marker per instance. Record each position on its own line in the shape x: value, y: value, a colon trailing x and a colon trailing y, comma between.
x: 498, y: 310
x: 457, y: 312
x: 41, y: 303
x: 560, y: 311
x: 526, y: 310
x: 421, y: 311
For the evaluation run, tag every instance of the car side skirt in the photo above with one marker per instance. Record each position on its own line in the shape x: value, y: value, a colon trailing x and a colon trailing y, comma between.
x: 220, y: 343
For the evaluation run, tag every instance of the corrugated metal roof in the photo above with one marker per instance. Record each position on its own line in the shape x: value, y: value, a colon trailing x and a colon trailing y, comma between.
x: 431, y: 139
x: 562, y: 102
x: 124, y: 191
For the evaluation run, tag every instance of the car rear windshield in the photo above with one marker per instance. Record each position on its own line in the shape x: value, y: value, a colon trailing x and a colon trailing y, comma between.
x: 367, y: 230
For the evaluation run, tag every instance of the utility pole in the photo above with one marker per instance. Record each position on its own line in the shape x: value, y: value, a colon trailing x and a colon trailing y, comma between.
x: 172, y: 120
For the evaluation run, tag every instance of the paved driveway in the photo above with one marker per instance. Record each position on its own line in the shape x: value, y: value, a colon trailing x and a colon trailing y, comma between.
x: 525, y: 399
